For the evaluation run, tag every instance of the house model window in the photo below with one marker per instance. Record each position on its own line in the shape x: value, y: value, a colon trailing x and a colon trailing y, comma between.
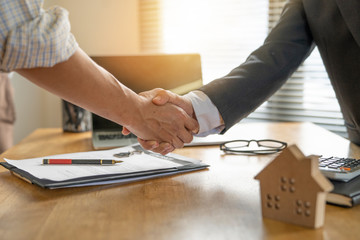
x: 293, y: 189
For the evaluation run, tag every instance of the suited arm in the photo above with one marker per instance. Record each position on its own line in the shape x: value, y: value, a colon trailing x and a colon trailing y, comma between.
x: 246, y: 87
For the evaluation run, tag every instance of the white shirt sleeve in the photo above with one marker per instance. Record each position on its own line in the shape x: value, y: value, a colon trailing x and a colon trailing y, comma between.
x: 206, y: 113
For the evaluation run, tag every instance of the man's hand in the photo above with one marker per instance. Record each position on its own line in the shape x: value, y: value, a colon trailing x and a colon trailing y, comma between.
x: 161, y: 97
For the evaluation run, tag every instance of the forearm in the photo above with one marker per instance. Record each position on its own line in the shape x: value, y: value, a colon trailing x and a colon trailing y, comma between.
x: 81, y: 81
x: 266, y: 69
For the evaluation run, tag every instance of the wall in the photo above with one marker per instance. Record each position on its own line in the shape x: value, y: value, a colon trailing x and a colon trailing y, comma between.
x: 101, y: 28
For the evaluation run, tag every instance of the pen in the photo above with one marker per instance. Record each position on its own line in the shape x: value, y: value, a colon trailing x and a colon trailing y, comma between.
x: 81, y: 161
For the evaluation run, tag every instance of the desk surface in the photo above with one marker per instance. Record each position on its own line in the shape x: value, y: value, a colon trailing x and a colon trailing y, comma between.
x: 222, y: 202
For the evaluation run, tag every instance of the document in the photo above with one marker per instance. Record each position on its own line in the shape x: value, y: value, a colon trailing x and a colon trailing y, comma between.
x: 140, y: 165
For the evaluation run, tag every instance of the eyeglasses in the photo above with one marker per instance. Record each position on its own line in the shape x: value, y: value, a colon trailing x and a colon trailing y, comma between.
x: 253, y: 147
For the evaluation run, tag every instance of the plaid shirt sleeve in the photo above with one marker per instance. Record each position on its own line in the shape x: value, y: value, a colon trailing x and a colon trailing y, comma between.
x: 32, y: 37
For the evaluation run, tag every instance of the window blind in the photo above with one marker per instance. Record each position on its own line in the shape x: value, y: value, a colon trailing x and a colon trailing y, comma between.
x: 150, y: 22
x: 225, y: 33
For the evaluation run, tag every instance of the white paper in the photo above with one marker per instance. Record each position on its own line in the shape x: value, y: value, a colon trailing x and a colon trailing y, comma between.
x: 133, y: 163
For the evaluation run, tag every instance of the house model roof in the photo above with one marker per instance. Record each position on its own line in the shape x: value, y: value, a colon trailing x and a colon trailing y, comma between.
x: 291, y: 163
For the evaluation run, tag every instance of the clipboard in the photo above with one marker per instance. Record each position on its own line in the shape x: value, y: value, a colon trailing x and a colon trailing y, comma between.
x: 183, y: 165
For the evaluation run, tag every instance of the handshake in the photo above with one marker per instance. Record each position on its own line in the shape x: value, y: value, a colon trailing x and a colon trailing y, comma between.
x: 163, y: 121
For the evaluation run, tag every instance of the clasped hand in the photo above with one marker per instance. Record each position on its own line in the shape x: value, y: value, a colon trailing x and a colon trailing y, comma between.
x: 170, y: 119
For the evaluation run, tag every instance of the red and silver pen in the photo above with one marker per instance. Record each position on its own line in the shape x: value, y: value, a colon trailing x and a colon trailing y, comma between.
x: 81, y: 161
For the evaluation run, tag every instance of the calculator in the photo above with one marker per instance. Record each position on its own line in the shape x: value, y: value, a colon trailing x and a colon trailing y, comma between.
x: 341, y: 169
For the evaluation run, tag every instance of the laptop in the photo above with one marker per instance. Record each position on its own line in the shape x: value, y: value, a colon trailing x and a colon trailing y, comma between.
x: 179, y: 73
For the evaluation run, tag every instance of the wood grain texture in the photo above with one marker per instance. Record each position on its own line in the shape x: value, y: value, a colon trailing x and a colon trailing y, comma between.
x: 222, y: 202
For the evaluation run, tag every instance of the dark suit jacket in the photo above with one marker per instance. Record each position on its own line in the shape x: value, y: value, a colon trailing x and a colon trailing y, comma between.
x: 332, y: 25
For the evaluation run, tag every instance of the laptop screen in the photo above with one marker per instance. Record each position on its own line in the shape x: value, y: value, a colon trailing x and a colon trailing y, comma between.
x: 104, y: 124
x: 179, y: 73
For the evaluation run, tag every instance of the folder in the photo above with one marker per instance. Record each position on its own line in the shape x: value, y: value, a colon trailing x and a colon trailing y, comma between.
x: 146, y: 165
x: 345, y: 194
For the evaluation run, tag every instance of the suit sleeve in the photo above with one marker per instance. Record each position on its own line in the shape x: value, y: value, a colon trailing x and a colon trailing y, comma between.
x: 247, y: 86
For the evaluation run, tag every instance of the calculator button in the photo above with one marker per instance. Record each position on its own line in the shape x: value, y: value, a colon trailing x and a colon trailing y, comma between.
x: 345, y: 168
x: 342, y: 169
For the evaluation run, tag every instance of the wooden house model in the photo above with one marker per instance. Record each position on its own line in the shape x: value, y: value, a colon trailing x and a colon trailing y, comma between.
x: 293, y: 189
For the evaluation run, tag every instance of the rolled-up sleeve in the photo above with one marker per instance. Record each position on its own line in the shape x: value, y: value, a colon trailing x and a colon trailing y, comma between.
x: 32, y: 37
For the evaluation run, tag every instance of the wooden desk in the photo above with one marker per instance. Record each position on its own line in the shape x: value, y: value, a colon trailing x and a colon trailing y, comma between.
x: 219, y: 203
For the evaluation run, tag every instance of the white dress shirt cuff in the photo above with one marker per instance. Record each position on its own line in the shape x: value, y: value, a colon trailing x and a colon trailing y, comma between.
x: 206, y: 113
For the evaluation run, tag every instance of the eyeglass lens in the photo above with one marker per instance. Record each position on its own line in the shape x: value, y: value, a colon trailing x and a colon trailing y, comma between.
x: 253, y: 144
x: 265, y: 146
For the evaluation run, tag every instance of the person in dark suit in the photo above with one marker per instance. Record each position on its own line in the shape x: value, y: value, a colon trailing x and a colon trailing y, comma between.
x: 331, y: 25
